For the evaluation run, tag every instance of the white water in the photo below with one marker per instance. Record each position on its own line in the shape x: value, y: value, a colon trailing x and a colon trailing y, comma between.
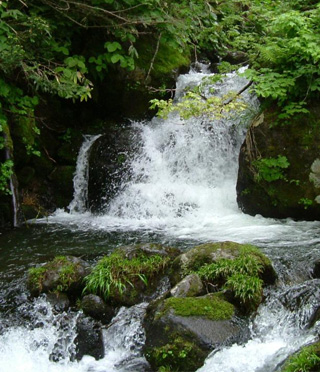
x: 80, y: 180
x: 183, y: 187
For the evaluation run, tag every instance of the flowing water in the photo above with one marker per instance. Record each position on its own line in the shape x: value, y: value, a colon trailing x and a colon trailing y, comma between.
x: 181, y: 192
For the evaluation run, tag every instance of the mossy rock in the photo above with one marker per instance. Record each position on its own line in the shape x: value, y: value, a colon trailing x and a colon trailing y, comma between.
x: 198, y: 256
x: 195, y: 325
x: 130, y: 274
x: 307, y: 359
x: 63, y: 274
x: 296, y: 191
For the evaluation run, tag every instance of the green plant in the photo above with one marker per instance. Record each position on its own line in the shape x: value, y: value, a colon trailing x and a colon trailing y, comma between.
x: 239, y: 275
x: 114, y: 273
x: 271, y: 169
x: 306, y: 360
x: 306, y: 202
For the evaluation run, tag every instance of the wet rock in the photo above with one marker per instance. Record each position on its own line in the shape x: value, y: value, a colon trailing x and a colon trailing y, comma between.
x: 89, y: 339
x: 131, y: 274
x: 182, y: 331
x: 63, y: 274
x: 109, y: 165
x: 189, y: 286
x: 268, y: 188
x: 95, y: 307
x: 208, y: 253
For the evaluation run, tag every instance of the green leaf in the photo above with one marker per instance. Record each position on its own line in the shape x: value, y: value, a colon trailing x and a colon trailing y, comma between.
x: 112, y: 47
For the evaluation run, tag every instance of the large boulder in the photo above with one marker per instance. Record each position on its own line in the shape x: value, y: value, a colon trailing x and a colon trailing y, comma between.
x: 181, y: 332
x: 208, y: 253
x: 131, y: 274
x: 109, y: 165
x: 279, y: 167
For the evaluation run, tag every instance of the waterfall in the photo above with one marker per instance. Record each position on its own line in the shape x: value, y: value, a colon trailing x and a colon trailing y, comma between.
x: 13, y: 183
x: 181, y: 189
x: 80, y: 180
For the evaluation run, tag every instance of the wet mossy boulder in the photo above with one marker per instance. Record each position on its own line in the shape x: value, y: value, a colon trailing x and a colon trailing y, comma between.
x: 279, y: 166
x: 181, y: 332
x: 130, y: 274
x: 209, y: 253
x: 63, y: 274
x: 240, y: 270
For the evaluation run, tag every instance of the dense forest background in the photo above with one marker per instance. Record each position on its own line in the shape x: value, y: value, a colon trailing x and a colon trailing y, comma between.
x: 74, y: 67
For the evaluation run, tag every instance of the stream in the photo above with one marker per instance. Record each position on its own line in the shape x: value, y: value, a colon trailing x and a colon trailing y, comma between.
x: 181, y: 193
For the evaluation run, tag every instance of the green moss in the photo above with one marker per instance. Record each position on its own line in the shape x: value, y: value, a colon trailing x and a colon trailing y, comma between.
x: 177, y: 355
x: 66, y: 270
x: 213, y: 307
x: 306, y: 360
x: 113, y: 274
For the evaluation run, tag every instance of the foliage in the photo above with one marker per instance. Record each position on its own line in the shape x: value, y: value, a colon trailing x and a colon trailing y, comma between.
x: 306, y: 360
x: 239, y: 275
x: 271, y: 169
x: 114, y: 273
x: 194, y: 104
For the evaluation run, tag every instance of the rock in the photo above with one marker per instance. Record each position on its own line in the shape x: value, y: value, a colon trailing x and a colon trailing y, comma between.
x: 131, y: 274
x: 270, y: 189
x: 95, y: 307
x: 109, y: 165
x: 208, y: 253
x: 89, y: 339
x: 189, y: 286
x: 63, y: 274
x: 182, y: 331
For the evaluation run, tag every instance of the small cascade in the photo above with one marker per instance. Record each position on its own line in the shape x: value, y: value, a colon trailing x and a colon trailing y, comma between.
x: 80, y: 180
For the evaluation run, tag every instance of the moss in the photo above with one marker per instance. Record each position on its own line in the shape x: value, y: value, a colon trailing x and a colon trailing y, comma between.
x: 307, y: 360
x: 62, y: 273
x: 177, y: 355
x: 213, y: 307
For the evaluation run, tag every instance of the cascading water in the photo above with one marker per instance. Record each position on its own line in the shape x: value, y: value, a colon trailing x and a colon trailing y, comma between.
x: 181, y: 191
x: 80, y: 181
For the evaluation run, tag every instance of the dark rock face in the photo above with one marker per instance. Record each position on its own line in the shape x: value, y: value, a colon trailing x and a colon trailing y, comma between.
x: 89, y: 339
x: 95, y: 307
x: 294, y: 191
x: 110, y: 165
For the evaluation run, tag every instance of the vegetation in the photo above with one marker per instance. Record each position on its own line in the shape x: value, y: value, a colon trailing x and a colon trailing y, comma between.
x: 59, y: 274
x: 239, y: 275
x: 176, y: 355
x: 68, y: 48
x: 113, y: 274
x: 213, y: 307
x: 306, y: 360
x: 271, y: 169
